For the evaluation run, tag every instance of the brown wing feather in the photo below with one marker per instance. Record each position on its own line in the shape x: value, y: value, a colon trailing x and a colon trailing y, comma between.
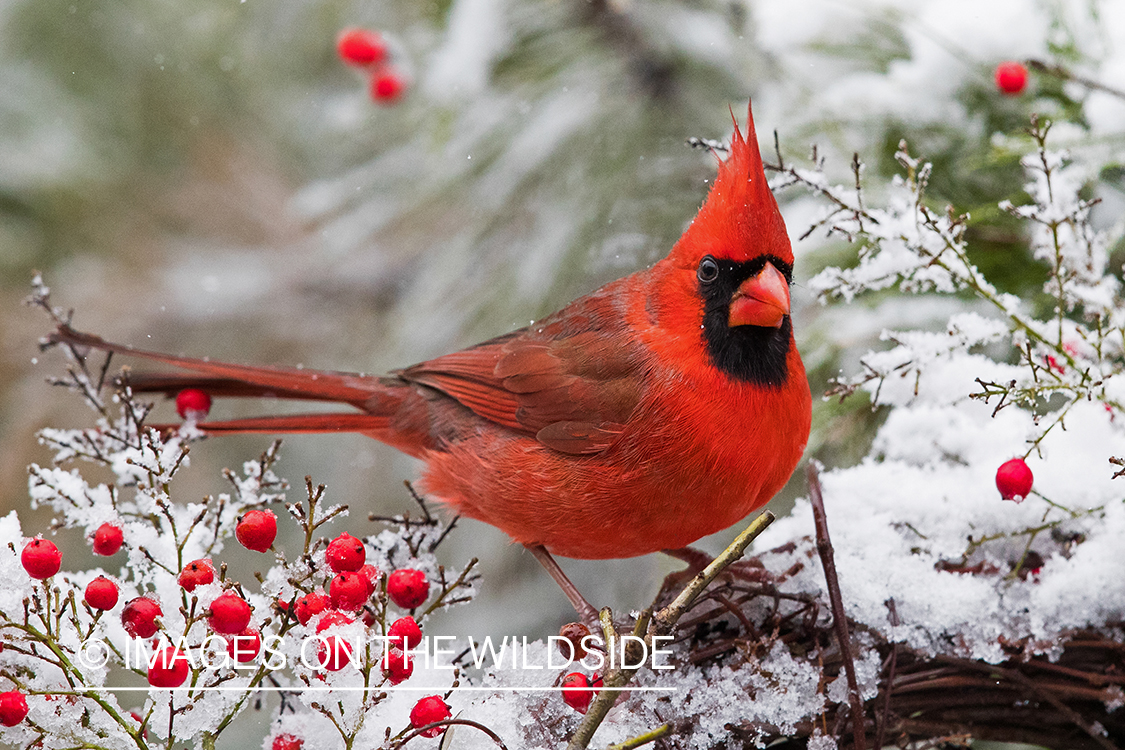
x: 484, y: 398
x: 572, y: 380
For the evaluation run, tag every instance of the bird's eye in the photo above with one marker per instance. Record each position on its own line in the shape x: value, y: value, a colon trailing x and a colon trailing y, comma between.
x: 708, y: 270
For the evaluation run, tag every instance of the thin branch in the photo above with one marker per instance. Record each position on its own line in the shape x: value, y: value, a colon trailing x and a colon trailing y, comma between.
x: 839, y: 619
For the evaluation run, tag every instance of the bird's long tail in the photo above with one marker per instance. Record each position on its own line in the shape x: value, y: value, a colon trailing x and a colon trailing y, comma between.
x: 371, y: 395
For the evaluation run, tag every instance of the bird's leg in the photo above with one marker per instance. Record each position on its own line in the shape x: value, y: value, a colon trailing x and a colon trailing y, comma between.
x: 747, y: 570
x: 584, y: 609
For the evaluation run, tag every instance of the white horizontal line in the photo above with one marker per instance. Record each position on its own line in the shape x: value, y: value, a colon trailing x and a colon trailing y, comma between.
x: 346, y: 688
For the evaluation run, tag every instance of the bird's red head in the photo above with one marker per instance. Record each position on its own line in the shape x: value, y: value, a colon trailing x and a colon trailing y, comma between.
x: 740, y: 220
x: 728, y: 276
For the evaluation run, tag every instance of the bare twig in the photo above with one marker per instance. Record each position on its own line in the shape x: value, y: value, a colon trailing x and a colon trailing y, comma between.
x: 839, y: 619
x: 641, y: 739
x: 884, y: 715
x: 1058, y: 71
x: 451, y: 722
x: 667, y: 617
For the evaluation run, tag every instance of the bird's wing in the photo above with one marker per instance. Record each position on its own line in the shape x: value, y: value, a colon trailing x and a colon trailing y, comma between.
x: 571, y: 380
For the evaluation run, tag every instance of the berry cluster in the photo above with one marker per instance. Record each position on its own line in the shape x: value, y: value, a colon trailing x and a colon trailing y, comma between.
x: 367, y: 51
x: 329, y: 591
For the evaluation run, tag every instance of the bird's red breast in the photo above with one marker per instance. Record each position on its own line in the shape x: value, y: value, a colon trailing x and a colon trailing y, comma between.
x: 639, y: 418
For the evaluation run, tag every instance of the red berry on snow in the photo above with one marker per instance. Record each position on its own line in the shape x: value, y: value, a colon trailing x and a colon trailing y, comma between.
x: 371, y: 574
x: 101, y: 593
x: 13, y: 708
x: 387, y: 85
x: 1014, y: 480
x: 192, y: 403
x: 427, y: 711
x: 404, y: 631
x: 230, y: 614
x: 108, y: 539
x: 360, y: 47
x: 256, y: 529
x: 196, y: 573
x: 287, y: 742
x: 333, y: 617
x: 139, y: 617
x: 408, y: 588
x: 334, y: 653
x: 345, y: 554
x: 244, y: 646
x: 397, y: 666
x: 310, y: 604
x: 348, y: 591
x: 41, y: 559
x: 575, y: 691
x: 168, y: 668
x: 1011, y: 78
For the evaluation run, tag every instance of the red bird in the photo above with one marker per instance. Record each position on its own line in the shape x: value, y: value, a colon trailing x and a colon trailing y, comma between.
x: 662, y: 407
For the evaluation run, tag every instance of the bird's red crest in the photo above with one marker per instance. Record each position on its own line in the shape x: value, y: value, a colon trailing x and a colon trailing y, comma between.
x: 740, y: 219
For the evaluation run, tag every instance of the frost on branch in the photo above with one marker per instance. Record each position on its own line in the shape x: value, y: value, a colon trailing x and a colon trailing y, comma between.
x: 929, y: 557
x: 88, y: 683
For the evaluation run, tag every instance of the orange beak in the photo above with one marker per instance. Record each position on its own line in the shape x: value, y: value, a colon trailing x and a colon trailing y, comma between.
x: 762, y: 300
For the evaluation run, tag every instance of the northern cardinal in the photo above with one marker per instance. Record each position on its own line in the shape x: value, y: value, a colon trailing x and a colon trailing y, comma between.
x: 660, y: 408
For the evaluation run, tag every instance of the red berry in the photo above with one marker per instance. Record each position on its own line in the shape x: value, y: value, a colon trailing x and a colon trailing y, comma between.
x: 404, y: 630
x: 360, y: 47
x: 287, y: 742
x: 408, y: 588
x: 256, y: 530
x: 244, y: 646
x: 331, y: 618
x: 387, y: 85
x: 41, y: 559
x: 168, y: 668
x: 310, y: 604
x: 1011, y: 78
x: 192, y: 403
x: 139, y: 617
x: 13, y: 708
x: 108, y: 539
x: 196, y: 573
x: 397, y: 666
x: 345, y: 554
x: 576, y: 693
x: 427, y: 711
x: 371, y: 574
x: 230, y: 614
x: 1014, y: 480
x: 334, y: 653
x: 348, y: 591
x: 101, y: 593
